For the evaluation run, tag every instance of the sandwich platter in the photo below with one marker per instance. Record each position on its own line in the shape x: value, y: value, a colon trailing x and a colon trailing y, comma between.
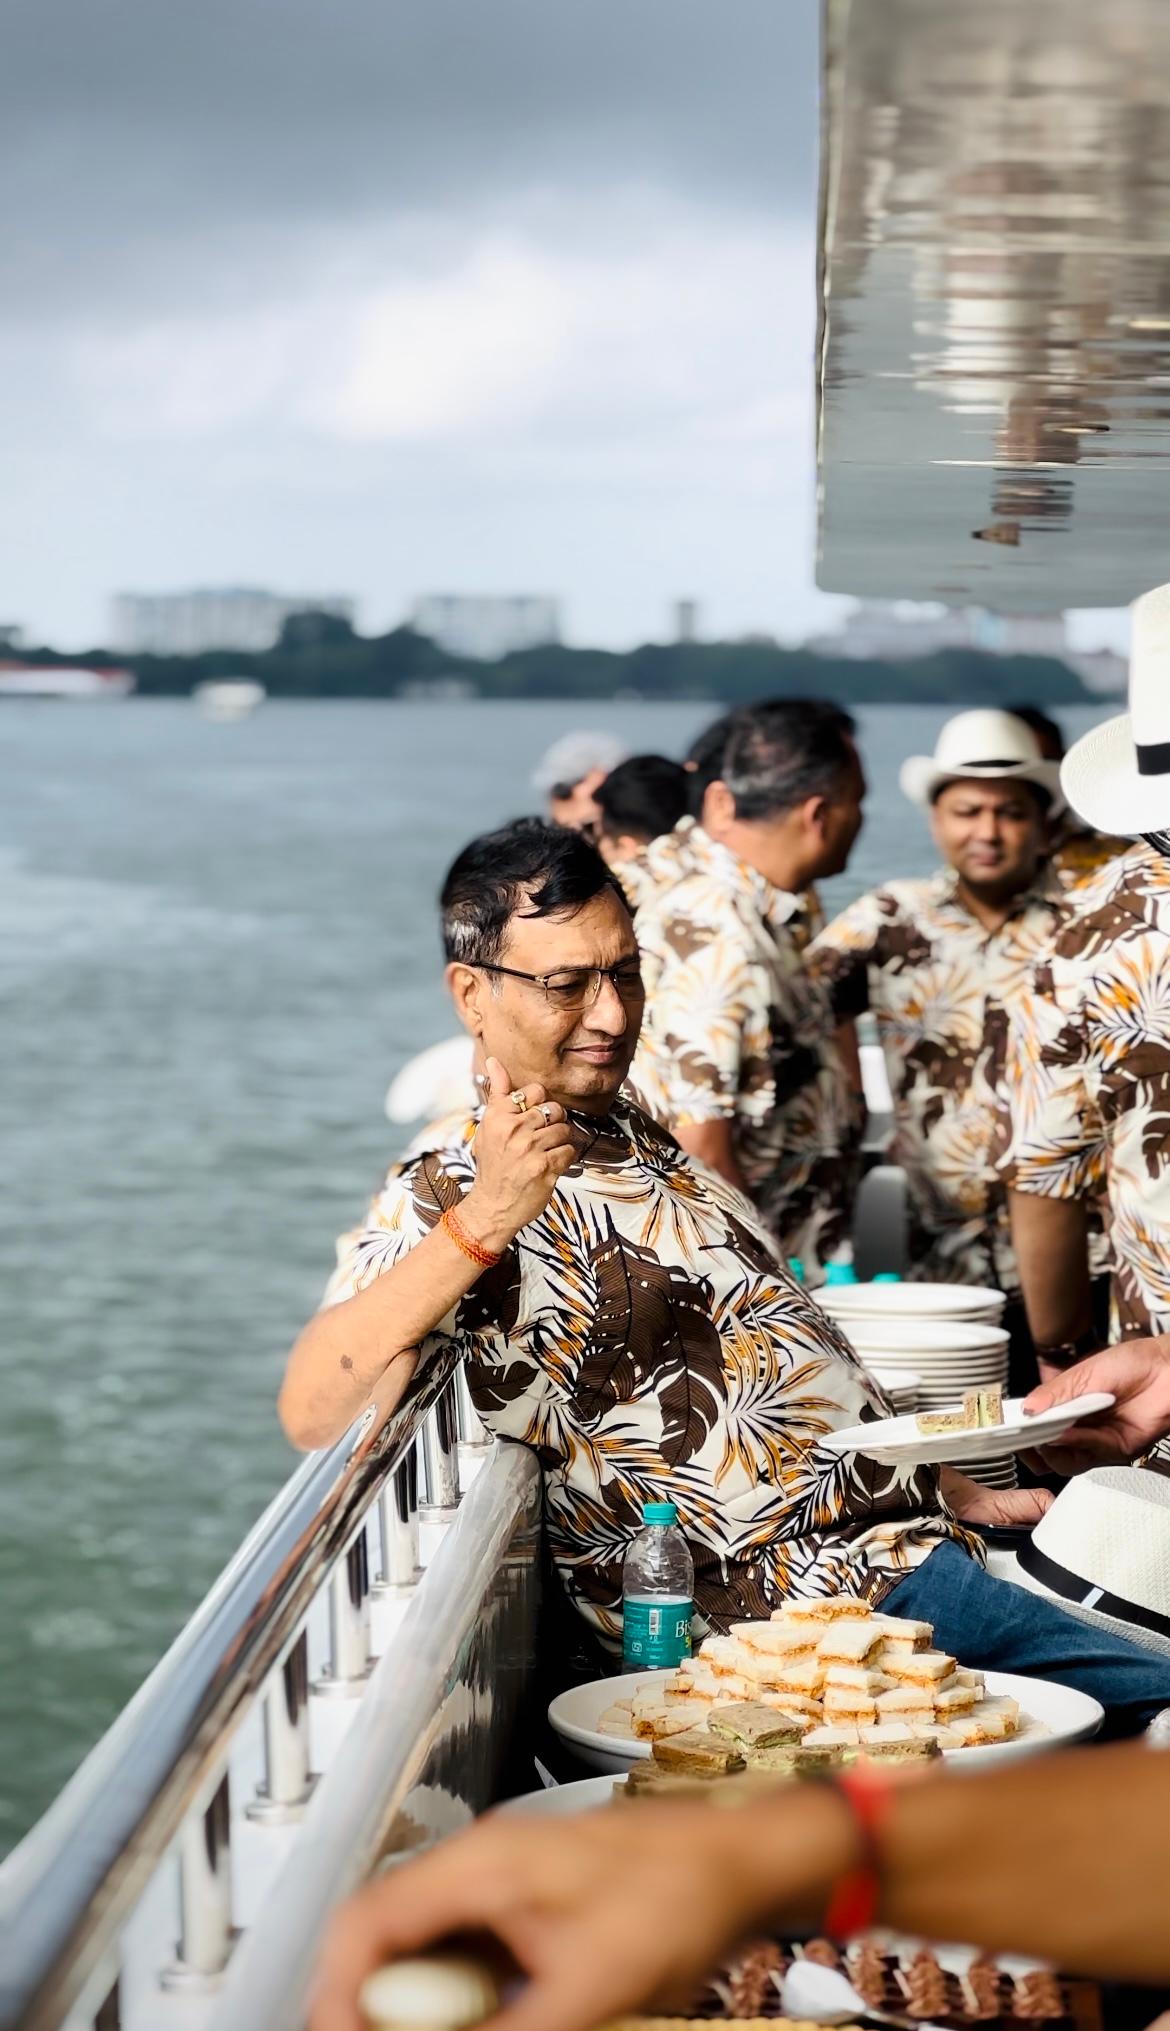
x: 1051, y: 1716
x: 900, y: 1441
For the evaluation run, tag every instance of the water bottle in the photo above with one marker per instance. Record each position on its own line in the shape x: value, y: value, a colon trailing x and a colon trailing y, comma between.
x: 658, y: 1593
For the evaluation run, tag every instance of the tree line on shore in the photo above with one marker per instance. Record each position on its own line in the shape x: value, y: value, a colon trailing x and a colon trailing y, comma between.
x: 321, y: 656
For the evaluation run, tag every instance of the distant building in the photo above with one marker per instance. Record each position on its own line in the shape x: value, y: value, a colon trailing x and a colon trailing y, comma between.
x: 686, y: 620
x: 898, y: 631
x: 487, y: 626
x: 216, y: 617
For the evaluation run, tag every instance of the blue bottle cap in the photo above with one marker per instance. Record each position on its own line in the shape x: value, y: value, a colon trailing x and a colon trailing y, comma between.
x: 659, y: 1512
x: 840, y: 1272
x: 886, y: 1276
x: 796, y: 1268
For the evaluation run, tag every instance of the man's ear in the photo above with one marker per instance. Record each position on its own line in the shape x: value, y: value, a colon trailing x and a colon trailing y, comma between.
x: 718, y: 809
x: 467, y: 989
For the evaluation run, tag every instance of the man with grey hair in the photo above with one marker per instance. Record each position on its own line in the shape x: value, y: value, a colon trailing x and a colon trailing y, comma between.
x: 738, y: 1055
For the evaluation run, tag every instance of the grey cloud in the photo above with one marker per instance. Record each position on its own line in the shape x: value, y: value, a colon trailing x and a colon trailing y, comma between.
x: 157, y: 145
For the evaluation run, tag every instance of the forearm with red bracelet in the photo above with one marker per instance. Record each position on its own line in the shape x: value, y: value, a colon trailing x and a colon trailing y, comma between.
x: 855, y: 1896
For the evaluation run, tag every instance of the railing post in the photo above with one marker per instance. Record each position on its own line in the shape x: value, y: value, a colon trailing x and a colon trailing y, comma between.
x: 350, y: 1663
x: 398, y: 1510
x: 440, y: 1459
x: 287, y: 1783
x: 205, y: 1896
x: 472, y: 1431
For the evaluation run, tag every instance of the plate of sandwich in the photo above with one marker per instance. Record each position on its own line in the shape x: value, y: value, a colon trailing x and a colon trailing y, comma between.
x: 815, y: 1687
x: 985, y: 1426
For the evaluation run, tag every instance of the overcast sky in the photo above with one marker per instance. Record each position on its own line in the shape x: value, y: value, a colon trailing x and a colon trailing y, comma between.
x: 397, y: 296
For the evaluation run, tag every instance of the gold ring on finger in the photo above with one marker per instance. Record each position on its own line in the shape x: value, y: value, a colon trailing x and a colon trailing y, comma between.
x: 518, y: 1100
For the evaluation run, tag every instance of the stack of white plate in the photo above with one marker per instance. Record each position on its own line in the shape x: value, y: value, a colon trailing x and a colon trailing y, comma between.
x: 945, y: 1361
x: 900, y: 1385
x: 966, y: 1304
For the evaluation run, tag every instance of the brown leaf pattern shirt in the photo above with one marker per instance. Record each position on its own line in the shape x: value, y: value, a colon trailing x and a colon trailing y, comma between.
x: 1090, y: 1077
x: 1078, y: 853
x: 943, y: 988
x: 736, y: 1030
x: 643, y: 1338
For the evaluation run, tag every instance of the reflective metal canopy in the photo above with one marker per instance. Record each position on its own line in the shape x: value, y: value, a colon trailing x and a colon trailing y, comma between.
x: 994, y: 356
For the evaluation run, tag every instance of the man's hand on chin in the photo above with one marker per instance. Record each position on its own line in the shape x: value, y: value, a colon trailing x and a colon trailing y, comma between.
x: 1005, y: 1508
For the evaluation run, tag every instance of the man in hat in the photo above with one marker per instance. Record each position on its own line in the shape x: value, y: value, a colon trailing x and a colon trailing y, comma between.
x: 942, y: 963
x: 738, y: 1056
x: 1090, y: 1056
x: 571, y: 770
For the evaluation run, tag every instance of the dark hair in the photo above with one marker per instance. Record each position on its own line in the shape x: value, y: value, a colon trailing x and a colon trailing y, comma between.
x: 646, y: 796
x: 784, y: 751
x: 527, y: 868
x: 704, y: 759
x: 1044, y: 728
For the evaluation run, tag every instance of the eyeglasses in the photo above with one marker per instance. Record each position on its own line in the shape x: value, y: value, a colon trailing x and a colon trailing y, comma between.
x: 575, y: 987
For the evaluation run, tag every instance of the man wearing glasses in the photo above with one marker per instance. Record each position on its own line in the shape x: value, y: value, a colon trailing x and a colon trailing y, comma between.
x: 620, y: 1310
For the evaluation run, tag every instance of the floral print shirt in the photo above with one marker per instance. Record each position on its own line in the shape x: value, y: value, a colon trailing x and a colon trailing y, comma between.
x: 1078, y: 852
x: 643, y: 1338
x: 943, y: 989
x: 736, y: 1030
x: 1090, y: 1077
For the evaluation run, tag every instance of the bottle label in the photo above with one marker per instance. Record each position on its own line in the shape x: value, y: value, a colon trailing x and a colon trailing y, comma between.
x: 656, y: 1633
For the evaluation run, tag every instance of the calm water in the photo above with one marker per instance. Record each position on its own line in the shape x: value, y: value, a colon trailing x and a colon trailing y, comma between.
x: 216, y: 946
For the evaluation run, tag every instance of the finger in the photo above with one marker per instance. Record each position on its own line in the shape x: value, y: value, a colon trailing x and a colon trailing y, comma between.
x: 547, y: 1111
x: 409, y: 1908
x: 499, y: 1084
x: 576, y: 1996
x: 1062, y: 1388
x: 558, y: 1136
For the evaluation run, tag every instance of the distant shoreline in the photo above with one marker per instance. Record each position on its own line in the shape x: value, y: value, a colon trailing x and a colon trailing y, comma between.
x: 320, y: 657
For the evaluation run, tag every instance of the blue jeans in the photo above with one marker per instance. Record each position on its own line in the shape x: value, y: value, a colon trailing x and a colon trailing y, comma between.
x: 994, y: 1626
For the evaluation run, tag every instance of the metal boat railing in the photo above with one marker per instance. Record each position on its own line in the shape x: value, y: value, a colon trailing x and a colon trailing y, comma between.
x: 159, y: 1776
x: 426, y: 1746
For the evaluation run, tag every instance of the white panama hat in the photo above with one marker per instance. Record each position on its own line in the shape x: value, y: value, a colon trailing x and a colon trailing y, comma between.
x: 987, y: 745
x: 1118, y: 775
x: 1102, y: 1552
x: 576, y: 755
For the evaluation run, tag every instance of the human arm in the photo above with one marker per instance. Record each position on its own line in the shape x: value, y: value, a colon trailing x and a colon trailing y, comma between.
x: 840, y: 956
x: 1137, y: 1375
x: 365, y: 1348
x: 1004, y: 1508
x: 711, y: 1142
x: 631, y: 1908
x: 1051, y: 1242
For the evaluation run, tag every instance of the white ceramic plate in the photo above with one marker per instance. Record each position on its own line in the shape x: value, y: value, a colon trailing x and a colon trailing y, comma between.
x: 897, y: 1441
x: 911, y: 1300
x: 582, y: 1796
x: 1051, y: 1716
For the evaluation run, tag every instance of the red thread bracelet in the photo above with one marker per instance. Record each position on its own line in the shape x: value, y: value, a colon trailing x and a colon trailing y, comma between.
x: 853, y: 1900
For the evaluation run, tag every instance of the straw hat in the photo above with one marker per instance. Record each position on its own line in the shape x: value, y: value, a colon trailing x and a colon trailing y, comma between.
x: 986, y: 745
x: 1118, y: 776
x: 1102, y: 1552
